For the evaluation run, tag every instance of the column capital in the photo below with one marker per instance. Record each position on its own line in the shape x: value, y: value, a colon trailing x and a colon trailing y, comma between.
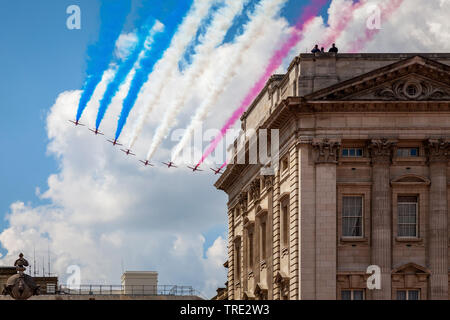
x: 243, y: 197
x: 255, y: 189
x: 269, y: 181
x: 438, y: 150
x: 381, y: 150
x: 326, y: 150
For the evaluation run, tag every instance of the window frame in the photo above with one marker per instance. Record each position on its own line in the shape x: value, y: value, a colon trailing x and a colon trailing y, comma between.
x: 399, y: 149
x: 237, y: 260
x: 251, y: 249
x: 284, y: 225
x: 407, y: 291
x: 263, y: 239
x: 362, y: 218
x: 352, y: 294
x: 417, y: 214
x: 355, y: 152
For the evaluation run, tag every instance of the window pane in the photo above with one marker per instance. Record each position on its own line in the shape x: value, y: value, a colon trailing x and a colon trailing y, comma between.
x: 352, y: 217
x: 352, y: 152
x: 401, y: 295
x: 413, y: 295
x: 358, y: 295
x: 345, y: 152
x: 359, y: 153
x: 414, y: 152
x: 346, y: 295
x: 407, y: 217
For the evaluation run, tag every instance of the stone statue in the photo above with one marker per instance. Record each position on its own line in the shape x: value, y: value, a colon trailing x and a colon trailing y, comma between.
x: 21, y: 286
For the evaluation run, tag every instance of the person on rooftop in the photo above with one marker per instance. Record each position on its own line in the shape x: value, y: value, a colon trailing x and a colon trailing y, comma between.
x: 333, y: 48
x: 316, y: 49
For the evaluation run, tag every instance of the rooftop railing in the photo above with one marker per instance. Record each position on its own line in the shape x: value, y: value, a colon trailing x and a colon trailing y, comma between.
x: 146, y: 290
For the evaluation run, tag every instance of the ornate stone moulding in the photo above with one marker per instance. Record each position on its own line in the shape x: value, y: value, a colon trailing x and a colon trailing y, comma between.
x: 410, y: 179
x: 381, y: 150
x: 243, y: 201
x: 281, y: 277
x: 438, y: 150
x: 412, y: 89
x: 327, y: 150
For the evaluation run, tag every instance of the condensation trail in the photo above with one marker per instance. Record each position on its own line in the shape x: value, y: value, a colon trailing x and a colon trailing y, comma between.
x: 221, y: 23
x: 113, y: 15
x: 309, y: 13
x: 145, y: 34
x: 164, y: 70
x: 147, y: 63
x: 266, y: 9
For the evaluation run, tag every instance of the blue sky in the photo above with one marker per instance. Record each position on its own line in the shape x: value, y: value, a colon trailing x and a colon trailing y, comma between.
x: 40, y: 59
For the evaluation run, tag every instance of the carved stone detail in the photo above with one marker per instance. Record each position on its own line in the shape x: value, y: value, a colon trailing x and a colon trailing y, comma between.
x: 268, y: 181
x: 255, y: 189
x: 438, y: 150
x: 412, y: 90
x: 381, y: 150
x: 243, y: 202
x: 327, y: 150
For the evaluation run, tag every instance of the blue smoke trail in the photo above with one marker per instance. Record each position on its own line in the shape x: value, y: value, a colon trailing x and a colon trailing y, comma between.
x: 123, y: 70
x: 144, y: 24
x: 162, y: 41
x: 113, y: 15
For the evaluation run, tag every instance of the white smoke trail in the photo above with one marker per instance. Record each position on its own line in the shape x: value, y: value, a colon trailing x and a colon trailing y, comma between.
x: 265, y: 10
x: 164, y: 70
x: 221, y: 23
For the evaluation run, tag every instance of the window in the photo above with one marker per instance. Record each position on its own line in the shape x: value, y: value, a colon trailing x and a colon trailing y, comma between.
x: 285, y: 223
x: 408, y: 294
x: 407, y: 216
x: 352, y: 216
x: 263, y: 240
x: 407, y: 152
x: 352, y: 295
x: 285, y: 164
x: 250, y: 250
x: 352, y: 152
x: 237, y: 248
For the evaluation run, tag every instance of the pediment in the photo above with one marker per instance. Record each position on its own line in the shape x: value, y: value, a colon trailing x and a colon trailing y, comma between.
x: 260, y: 288
x: 413, y: 79
x: 410, y: 179
x: 411, y: 268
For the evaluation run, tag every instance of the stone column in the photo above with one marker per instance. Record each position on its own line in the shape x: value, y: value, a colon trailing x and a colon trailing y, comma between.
x: 381, y: 242
x: 438, y: 151
x: 231, y: 254
x: 276, y: 234
x: 326, y: 160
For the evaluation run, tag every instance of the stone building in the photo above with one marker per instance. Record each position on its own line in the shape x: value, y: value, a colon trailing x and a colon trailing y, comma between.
x: 363, y: 180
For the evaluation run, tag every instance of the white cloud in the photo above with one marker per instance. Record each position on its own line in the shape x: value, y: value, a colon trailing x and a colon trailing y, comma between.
x: 103, y: 208
x: 125, y: 44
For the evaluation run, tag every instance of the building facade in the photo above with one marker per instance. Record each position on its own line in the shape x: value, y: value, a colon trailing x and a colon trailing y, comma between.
x: 363, y: 180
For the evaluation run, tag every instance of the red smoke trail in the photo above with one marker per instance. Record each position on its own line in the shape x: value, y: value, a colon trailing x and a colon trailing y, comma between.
x: 387, y: 9
x: 333, y: 32
x: 309, y: 13
x: 344, y: 18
